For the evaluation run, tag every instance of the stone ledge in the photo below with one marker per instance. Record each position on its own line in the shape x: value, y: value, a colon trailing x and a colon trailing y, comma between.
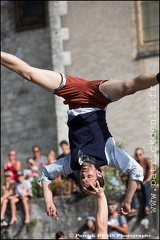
x: 73, y: 210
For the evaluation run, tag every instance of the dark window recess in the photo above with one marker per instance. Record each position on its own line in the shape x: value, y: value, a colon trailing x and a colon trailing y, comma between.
x: 29, y: 15
x: 147, y: 22
x: 150, y: 20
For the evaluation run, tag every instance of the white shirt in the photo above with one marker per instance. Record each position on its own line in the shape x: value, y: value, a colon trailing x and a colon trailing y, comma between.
x: 116, y: 157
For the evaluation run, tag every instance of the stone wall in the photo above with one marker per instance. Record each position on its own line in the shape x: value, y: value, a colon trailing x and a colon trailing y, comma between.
x: 103, y: 43
x: 28, y: 112
x: 73, y: 211
x: 84, y: 39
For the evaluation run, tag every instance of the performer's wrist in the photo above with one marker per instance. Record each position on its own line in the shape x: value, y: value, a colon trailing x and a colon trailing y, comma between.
x: 127, y: 201
x: 100, y: 193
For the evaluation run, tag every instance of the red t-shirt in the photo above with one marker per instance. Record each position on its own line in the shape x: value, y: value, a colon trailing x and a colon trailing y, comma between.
x: 81, y: 93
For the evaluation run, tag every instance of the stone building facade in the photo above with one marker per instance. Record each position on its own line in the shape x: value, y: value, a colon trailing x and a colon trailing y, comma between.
x: 89, y: 39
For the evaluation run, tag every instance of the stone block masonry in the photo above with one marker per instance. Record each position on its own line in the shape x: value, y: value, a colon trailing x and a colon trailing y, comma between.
x: 72, y: 211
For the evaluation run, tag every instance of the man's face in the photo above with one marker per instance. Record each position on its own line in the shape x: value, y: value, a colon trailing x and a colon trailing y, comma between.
x: 36, y: 151
x: 139, y: 154
x: 112, y: 208
x: 88, y: 175
x: 20, y: 178
x: 89, y: 224
x: 65, y: 148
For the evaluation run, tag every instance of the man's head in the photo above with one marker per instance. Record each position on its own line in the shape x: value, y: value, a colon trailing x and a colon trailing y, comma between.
x: 112, y: 206
x: 12, y: 155
x: 90, y: 222
x: 89, y: 173
x: 59, y: 235
x: 20, y: 176
x: 8, y: 176
x: 36, y: 151
x: 65, y: 147
x: 139, y: 154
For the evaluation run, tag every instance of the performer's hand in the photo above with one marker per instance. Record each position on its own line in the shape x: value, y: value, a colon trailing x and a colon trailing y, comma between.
x: 125, y: 208
x: 94, y: 190
x: 51, y: 210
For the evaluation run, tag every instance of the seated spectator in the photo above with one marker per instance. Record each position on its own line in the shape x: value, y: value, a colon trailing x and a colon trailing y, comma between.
x: 144, y: 187
x: 12, y: 164
x: 31, y: 171
x: 59, y: 235
x: 23, y: 193
x: 117, y: 224
x: 89, y: 233
x: 65, y: 149
x: 70, y: 181
x: 8, y: 189
x: 51, y: 157
x: 39, y: 159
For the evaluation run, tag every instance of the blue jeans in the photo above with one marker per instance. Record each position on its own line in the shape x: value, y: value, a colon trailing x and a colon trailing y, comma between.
x: 146, y: 193
x: 145, y: 188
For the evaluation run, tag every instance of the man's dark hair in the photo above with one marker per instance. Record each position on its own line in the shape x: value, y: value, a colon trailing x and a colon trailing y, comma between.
x: 36, y: 146
x: 59, y: 234
x: 63, y: 142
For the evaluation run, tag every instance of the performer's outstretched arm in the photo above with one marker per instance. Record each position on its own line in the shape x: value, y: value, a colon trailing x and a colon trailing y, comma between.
x: 126, y: 204
x: 46, y: 79
x: 48, y: 197
x: 101, y: 212
x: 117, y: 89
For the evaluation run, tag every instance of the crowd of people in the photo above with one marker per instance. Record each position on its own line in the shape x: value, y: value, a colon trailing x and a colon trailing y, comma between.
x: 17, y: 187
x: 17, y: 181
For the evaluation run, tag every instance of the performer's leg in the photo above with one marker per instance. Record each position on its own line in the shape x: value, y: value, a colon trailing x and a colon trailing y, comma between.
x: 117, y: 89
x: 47, y: 79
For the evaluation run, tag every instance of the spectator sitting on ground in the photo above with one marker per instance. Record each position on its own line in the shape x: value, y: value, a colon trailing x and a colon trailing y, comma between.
x: 148, y: 170
x: 51, y: 157
x: 117, y: 224
x: 12, y: 164
x: 31, y: 171
x: 65, y: 149
x: 8, y: 189
x: 70, y: 180
x: 89, y: 233
x: 23, y: 193
x: 39, y: 159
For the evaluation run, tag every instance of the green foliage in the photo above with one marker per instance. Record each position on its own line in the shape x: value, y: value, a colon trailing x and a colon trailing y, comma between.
x: 31, y: 225
x: 110, y: 179
x: 2, y: 182
x: 113, y: 178
x: 36, y: 189
x: 155, y: 175
x: 57, y: 188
